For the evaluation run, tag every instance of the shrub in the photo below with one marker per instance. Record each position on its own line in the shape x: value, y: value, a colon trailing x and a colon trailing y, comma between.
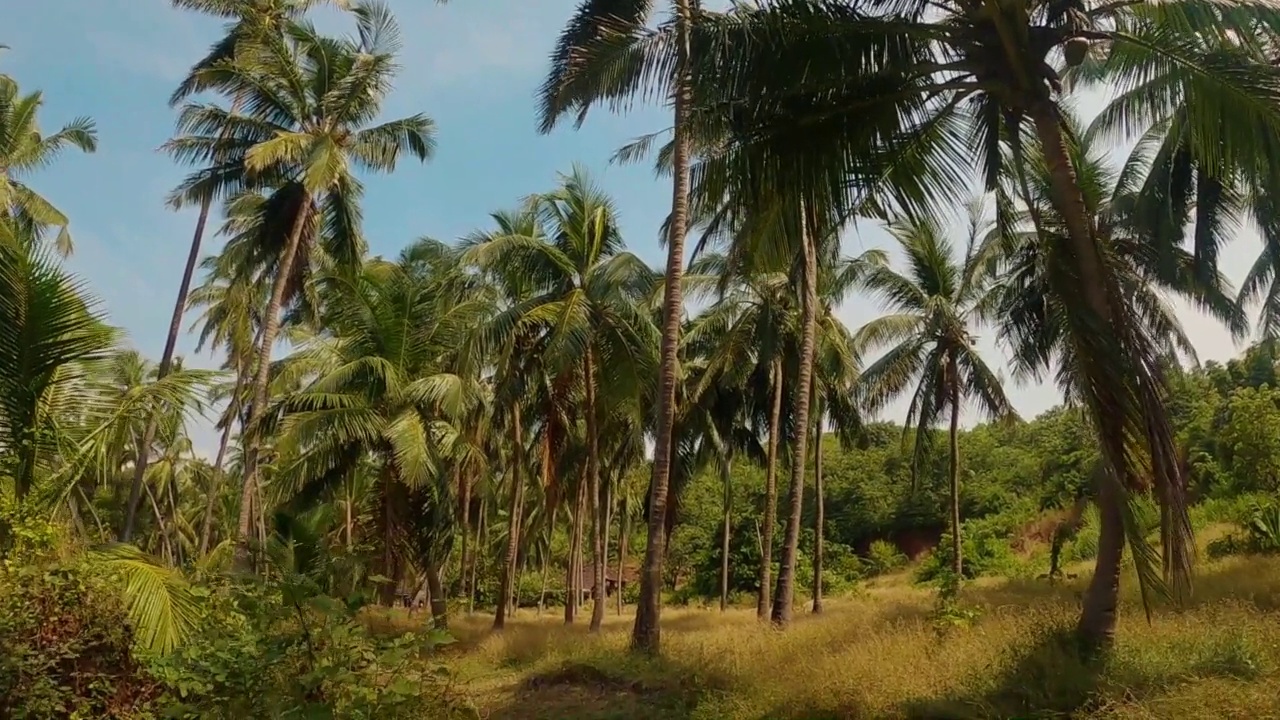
x: 983, y: 555
x: 273, y: 650
x: 884, y: 557
x: 65, y: 637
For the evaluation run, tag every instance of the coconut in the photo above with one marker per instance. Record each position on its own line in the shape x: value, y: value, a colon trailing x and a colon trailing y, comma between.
x: 1075, y: 50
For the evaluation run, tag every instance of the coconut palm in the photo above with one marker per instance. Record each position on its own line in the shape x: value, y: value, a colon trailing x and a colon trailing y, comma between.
x: 384, y: 382
x: 309, y: 100
x: 24, y: 149
x: 1034, y: 318
x: 594, y: 61
x: 931, y: 349
x: 585, y: 308
x: 250, y: 19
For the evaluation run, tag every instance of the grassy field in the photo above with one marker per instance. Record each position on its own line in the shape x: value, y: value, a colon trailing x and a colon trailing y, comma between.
x: 882, y: 654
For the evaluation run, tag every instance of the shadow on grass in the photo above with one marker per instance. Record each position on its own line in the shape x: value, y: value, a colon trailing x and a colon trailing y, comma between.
x: 610, y: 687
x: 1053, y: 678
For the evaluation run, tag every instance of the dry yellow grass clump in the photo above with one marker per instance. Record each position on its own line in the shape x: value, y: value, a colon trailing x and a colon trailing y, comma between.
x: 882, y: 655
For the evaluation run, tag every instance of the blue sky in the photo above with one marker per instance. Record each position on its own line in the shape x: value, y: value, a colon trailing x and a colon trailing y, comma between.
x: 472, y: 66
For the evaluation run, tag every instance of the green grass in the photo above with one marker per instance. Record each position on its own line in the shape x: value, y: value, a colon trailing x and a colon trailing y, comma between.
x: 880, y: 655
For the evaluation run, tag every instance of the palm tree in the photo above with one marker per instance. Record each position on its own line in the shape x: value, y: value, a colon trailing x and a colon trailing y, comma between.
x: 250, y: 19
x: 308, y: 100
x: 388, y: 382
x: 931, y: 347
x: 1034, y: 316
x: 231, y: 319
x: 23, y: 149
x: 49, y: 330
x: 743, y: 337
x: 586, y: 306
x: 592, y: 63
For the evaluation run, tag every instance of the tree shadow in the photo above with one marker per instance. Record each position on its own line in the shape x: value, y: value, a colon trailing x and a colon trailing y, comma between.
x: 608, y: 688
x: 1051, y: 677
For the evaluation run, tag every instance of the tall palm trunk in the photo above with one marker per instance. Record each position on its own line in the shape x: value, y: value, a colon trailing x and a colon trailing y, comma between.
x: 819, y: 520
x: 465, y: 506
x: 957, y: 552
x: 770, y: 494
x: 598, y: 526
x: 262, y: 373
x: 646, y: 634
x: 1097, y: 626
x: 574, y: 586
x: 624, y: 529
x: 727, y: 505
x: 482, y: 525
x: 215, y: 479
x: 166, y: 362
x: 516, y: 510
x: 784, y: 595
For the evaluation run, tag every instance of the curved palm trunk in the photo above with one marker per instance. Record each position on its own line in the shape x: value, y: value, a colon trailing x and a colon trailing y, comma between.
x: 1098, y: 616
x: 1097, y: 626
x: 516, y: 509
x: 645, y: 634
x: 482, y: 527
x: 166, y: 362
x: 957, y: 553
x: 598, y: 522
x: 262, y: 374
x: 725, y: 469
x: 770, y: 494
x: 784, y: 595
x: 819, y: 521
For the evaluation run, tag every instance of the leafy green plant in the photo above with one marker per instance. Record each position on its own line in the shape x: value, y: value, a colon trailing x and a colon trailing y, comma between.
x: 884, y: 557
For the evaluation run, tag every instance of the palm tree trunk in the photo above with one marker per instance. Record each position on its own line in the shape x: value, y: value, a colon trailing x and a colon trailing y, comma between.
x: 957, y: 552
x: 646, y: 634
x: 770, y: 494
x: 573, y: 587
x: 784, y: 595
x: 819, y: 520
x: 262, y: 374
x: 465, y: 504
x: 481, y: 526
x: 1097, y: 626
x: 215, y: 480
x: 624, y: 529
x: 439, y: 605
x: 1098, y: 616
x: 725, y: 469
x: 516, y: 509
x: 166, y: 361
x: 598, y: 526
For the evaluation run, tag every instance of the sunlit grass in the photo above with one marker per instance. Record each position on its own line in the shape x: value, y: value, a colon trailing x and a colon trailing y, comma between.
x: 880, y: 655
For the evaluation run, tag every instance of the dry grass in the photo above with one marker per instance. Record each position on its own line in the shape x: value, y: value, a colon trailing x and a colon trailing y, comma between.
x: 879, y: 655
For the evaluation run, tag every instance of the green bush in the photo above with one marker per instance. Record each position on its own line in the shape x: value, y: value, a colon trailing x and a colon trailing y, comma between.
x: 274, y: 650
x: 884, y: 557
x: 983, y: 555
